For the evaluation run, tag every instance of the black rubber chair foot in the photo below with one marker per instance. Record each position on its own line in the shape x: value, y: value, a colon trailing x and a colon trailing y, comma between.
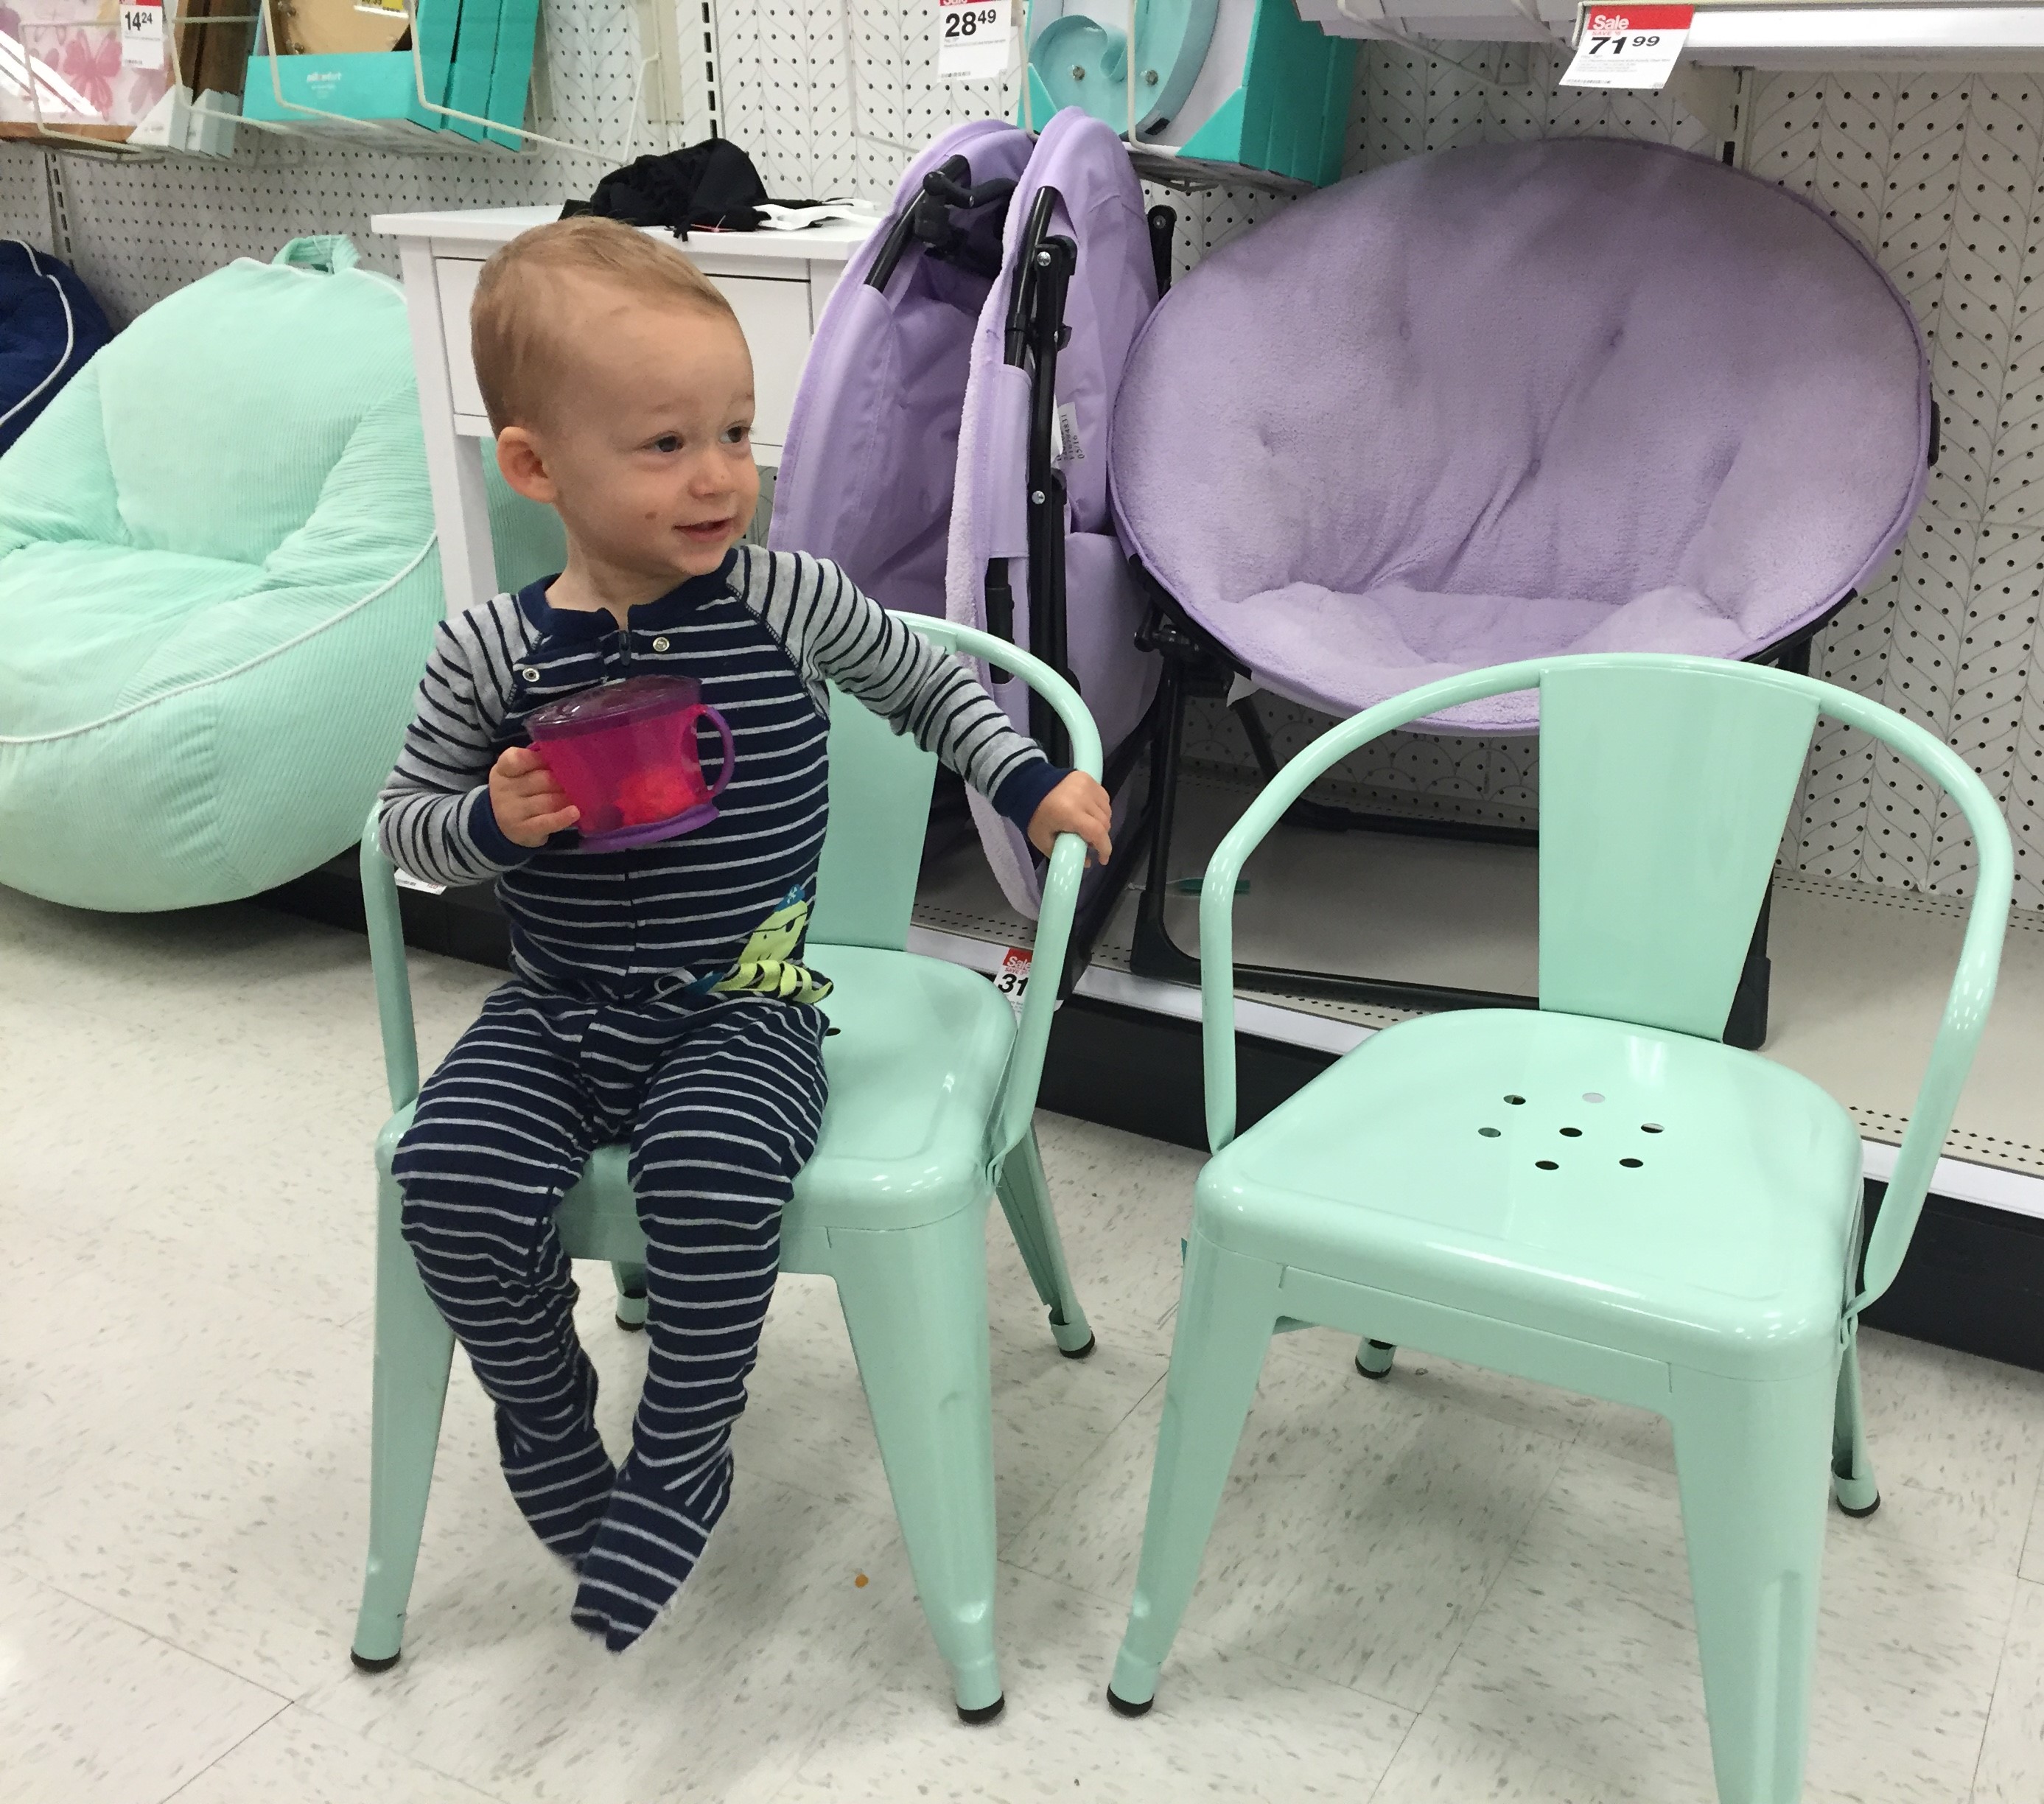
x: 1122, y: 1707
x: 631, y: 1327
x: 1859, y: 1515
x: 1092, y: 1341
x: 985, y: 1712
x: 364, y: 1664
x: 1374, y: 1377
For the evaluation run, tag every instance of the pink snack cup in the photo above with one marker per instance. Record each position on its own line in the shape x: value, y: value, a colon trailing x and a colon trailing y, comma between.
x: 626, y: 755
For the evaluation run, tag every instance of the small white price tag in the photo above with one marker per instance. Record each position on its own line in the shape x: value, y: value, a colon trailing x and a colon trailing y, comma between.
x: 142, y: 34
x: 973, y: 39
x: 1629, y: 46
x: 1012, y: 979
x: 424, y: 885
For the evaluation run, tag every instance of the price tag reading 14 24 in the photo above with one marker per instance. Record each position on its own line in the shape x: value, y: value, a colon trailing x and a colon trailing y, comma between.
x: 972, y: 39
x: 142, y: 34
x: 1629, y: 46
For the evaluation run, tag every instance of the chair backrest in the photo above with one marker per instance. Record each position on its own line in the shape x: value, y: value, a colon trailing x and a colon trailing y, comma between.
x: 1664, y: 792
x: 880, y: 784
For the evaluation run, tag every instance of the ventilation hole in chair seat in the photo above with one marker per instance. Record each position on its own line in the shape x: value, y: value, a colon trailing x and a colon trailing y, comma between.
x: 1546, y: 1164
x: 1649, y: 1127
x: 1572, y: 1133
x: 1632, y: 1164
x: 1593, y: 1096
x: 1514, y: 1099
x: 1488, y: 1133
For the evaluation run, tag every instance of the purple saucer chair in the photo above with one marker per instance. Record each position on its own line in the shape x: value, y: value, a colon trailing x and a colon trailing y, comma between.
x: 1497, y: 403
x: 949, y: 441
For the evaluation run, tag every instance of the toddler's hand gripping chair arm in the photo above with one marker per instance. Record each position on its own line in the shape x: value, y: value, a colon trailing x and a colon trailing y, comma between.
x: 1017, y: 1102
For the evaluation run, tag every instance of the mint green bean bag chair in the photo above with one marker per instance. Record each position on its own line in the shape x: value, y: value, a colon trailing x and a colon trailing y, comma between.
x: 218, y: 585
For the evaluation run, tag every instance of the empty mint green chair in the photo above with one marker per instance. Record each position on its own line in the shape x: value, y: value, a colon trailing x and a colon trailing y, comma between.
x: 1598, y: 1195
x: 932, y: 1086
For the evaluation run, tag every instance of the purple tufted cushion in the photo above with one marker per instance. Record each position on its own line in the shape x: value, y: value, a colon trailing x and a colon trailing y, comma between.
x: 1575, y: 395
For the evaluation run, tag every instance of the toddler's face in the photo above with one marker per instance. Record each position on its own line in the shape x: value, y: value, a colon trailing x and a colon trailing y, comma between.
x: 651, y: 457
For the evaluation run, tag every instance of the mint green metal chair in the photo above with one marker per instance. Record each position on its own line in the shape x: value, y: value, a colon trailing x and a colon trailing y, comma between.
x: 932, y: 1087
x: 1597, y: 1195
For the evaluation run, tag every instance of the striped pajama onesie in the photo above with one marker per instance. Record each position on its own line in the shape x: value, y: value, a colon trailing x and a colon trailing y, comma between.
x: 610, y: 1029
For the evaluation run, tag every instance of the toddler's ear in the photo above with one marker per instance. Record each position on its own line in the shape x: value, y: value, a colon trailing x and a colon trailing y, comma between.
x: 524, y: 466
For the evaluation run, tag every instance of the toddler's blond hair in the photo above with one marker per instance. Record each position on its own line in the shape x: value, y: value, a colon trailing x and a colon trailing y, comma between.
x: 521, y: 346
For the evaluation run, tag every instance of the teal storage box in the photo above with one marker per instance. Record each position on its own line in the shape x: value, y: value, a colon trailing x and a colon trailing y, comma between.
x: 517, y: 27
x: 220, y: 580
x: 372, y: 95
x: 1242, y: 82
x: 475, y: 62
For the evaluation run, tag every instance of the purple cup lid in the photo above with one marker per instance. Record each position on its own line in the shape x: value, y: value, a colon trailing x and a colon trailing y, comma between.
x: 612, y: 704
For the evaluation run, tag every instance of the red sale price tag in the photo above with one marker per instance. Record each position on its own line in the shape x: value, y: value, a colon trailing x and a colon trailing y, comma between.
x: 142, y: 34
x: 1012, y: 979
x: 974, y: 39
x: 1635, y: 47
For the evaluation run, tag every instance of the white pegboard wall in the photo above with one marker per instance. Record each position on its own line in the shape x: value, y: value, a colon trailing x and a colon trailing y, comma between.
x: 1937, y: 176
x: 139, y: 229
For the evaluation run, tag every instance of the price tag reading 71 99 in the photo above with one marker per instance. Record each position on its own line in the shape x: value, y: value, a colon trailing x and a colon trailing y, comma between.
x: 1633, y: 47
x: 972, y: 39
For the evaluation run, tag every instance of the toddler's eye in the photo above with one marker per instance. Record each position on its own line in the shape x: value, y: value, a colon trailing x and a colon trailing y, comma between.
x: 737, y: 435
x: 667, y: 444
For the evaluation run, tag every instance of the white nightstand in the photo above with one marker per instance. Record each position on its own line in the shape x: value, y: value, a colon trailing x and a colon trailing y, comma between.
x: 777, y: 282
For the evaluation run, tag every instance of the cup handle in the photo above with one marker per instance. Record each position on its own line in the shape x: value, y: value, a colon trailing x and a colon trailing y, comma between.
x: 723, y: 735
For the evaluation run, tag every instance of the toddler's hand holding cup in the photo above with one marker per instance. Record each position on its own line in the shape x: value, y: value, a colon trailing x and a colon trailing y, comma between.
x: 527, y: 799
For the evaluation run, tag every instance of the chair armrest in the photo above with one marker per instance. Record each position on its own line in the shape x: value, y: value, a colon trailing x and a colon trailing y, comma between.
x: 387, y: 957
x: 1972, y: 993
x: 1017, y: 1102
x: 1217, y: 892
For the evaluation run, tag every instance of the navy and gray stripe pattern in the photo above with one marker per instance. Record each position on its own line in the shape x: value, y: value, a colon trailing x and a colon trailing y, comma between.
x: 599, y: 1038
x: 762, y: 636
x: 718, y: 1103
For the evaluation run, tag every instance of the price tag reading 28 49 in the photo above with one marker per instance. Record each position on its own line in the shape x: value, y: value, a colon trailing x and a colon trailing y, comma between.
x: 972, y: 39
x: 1633, y: 47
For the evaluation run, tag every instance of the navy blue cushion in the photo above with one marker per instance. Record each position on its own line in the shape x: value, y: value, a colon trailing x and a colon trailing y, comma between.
x: 49, y: 325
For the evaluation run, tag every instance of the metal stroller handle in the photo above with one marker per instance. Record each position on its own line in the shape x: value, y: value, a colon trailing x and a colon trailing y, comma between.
x: 927, y: 221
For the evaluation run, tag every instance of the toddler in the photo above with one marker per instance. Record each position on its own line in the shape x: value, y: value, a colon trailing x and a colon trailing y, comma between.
x: 651, y: 1001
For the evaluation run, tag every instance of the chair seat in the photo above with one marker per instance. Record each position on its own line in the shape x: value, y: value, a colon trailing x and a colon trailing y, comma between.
x: 914, y: 1069
x: 1701, y: 1210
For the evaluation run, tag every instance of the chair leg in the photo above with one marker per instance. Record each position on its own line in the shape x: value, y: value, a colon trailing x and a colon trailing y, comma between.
x: 631, y: 1282
x: 1750, y: 1459
x: 1025, y: 1200
x: 1852, y: 1466
x: 1373, y: 1359
x: 414, y: 1349
x: 1226, y: 1313
x: 914, y: 1300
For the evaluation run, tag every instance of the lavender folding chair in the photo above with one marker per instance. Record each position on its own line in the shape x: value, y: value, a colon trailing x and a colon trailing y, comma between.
x: 1033, y: 557
x: 949, y: 441
x: 867, y: 471
x: 1496, y: 403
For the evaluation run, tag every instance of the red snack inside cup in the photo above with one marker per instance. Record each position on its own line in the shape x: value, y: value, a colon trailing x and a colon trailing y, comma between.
x: 626, y: 755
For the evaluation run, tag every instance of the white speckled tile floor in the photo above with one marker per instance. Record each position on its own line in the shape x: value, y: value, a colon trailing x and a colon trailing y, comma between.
x: 1452, y: 1587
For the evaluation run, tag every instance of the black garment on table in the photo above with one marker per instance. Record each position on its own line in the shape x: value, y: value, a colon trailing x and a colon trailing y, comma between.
x: 712, y: 184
